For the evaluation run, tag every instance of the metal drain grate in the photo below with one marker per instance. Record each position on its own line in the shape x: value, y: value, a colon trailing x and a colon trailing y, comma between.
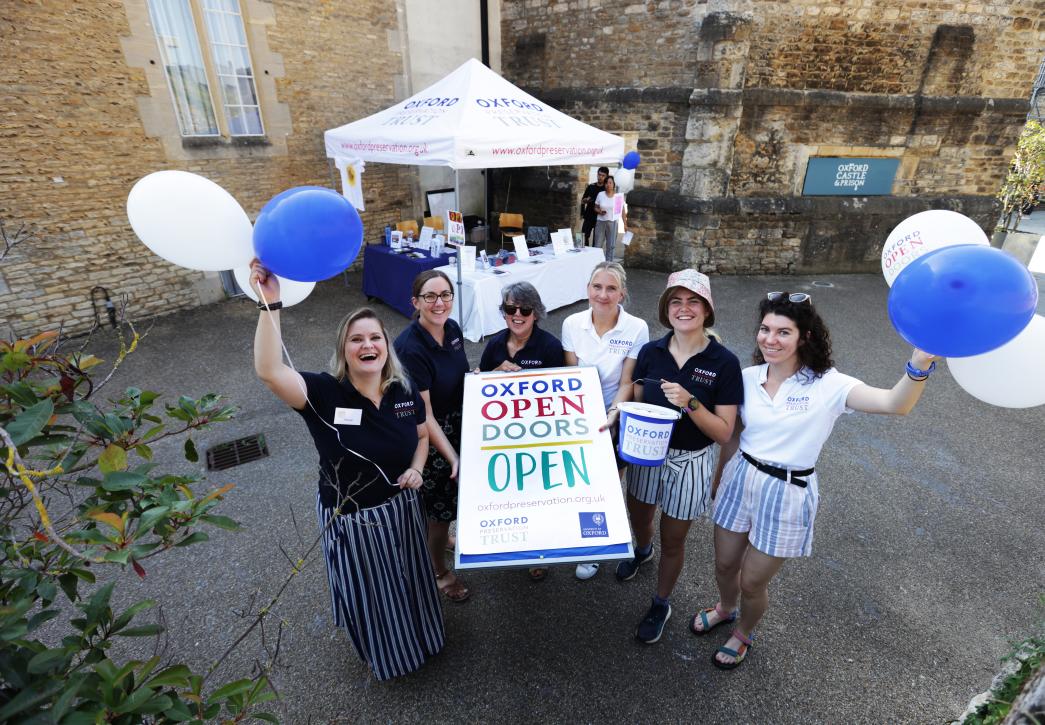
x: 236, y: 453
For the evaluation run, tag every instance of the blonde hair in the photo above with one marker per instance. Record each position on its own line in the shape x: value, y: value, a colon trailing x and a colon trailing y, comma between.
x: 617, y: 271
x: 392, y: 372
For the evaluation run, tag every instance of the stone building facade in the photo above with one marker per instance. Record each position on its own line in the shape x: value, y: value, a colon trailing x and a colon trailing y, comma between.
x: 728, y: 100
x: 87, y: 111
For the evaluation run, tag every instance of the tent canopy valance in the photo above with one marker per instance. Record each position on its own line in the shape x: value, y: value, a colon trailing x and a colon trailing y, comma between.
x: 473, y: 119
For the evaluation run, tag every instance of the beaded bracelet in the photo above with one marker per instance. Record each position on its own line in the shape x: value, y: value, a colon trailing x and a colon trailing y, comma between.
x: 271, y: 306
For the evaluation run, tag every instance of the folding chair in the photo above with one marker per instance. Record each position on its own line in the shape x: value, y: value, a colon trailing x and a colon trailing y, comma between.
x: 510, y: 225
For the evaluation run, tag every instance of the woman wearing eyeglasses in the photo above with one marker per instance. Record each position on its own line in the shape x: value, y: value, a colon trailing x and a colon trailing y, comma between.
x: 432, y: 351
x: 767, y: 501
x: 522, y: 345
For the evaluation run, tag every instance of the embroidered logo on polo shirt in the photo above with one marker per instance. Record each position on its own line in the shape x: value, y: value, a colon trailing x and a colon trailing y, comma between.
x: 797, y: 402
x: 533, y: 363
x: 456, y: 343
x: 404, y: 409
x: 705, y: 377
x: 620, y: 346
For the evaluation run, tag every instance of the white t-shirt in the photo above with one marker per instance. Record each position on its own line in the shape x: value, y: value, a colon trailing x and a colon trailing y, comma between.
x: 606, y: 353
x: 608, y: 205
x: 790, y: 429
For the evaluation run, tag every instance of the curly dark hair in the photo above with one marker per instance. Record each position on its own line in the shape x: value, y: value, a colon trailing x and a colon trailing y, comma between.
x: 814, y: 346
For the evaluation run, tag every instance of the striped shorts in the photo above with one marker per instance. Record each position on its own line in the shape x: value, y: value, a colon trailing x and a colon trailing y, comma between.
x: 382, y: 589
x: 681, y: 486
x: 777, y: 515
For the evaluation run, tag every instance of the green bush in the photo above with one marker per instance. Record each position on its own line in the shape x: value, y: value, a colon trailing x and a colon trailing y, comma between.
x: 80, y: 493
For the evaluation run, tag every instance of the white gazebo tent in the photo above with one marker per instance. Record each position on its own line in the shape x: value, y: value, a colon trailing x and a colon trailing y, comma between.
x: 473, y: 119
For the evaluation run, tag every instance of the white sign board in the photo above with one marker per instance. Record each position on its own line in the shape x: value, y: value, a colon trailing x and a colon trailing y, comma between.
x: 538, y: 482
x: 521, y: 250
x: 561, y: 242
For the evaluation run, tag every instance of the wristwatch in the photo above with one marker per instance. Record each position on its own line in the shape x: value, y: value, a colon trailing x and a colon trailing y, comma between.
x: 693, y: 405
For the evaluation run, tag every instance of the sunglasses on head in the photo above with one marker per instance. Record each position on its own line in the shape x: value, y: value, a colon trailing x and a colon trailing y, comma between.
x: 512, y: 309
x: 796, y: 297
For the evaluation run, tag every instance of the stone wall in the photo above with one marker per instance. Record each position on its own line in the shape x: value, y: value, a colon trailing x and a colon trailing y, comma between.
x: 86, y: 112
x: 727, y: 101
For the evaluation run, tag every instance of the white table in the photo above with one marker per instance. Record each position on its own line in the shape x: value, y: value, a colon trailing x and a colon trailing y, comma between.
x: 561, y: 281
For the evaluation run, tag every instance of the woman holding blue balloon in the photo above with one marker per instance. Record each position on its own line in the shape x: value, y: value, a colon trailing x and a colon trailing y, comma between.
x: 368, y: 426
x: 766, y: 484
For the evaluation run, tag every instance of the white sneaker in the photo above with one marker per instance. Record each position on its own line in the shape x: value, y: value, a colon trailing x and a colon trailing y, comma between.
x: 587, y: 571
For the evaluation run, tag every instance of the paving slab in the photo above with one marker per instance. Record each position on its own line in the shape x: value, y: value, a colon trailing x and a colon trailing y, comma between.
x: 927, y: 562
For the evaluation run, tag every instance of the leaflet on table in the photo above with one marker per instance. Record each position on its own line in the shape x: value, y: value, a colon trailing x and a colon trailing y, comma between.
x: 521, y: 251
x: 560, y: 242
x: 425, y: 242
x: 438, y: 245
x: 467, y: 255
x: 397, y: 239
x: 538, y: 482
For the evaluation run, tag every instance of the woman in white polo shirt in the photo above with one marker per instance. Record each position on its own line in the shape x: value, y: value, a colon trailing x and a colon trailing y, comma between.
x: 610, y: 339
x: 765, y: 508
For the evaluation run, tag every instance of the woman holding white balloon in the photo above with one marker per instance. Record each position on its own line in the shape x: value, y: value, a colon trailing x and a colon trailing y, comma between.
x: 767, y: 488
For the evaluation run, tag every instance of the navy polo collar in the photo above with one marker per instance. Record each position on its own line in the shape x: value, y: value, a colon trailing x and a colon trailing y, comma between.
x: 427, y: 338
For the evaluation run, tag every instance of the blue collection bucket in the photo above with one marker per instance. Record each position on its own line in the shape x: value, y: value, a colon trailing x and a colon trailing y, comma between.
x: 645, y: 431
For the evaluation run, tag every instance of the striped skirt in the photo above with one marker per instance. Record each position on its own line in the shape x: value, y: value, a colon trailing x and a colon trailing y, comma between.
x: 681, y: 486
x: 382, y: 589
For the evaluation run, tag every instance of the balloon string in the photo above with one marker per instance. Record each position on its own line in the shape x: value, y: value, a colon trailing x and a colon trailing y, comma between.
x: 304, y: 390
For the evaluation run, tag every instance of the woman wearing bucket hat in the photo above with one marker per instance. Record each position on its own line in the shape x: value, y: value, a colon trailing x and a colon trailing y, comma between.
x: 765, y: 508
x: 608, y: 338
x: 691, y: 371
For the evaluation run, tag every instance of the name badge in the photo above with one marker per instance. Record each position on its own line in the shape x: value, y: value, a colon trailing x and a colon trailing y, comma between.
x: 347, y: 416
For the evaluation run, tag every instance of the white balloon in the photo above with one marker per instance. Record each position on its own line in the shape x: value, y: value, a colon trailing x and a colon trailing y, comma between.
x: 1011, y: 376
x: 925, y: 232
x: 190, y: 221
x: 290, y: 291
x: 624, y: 179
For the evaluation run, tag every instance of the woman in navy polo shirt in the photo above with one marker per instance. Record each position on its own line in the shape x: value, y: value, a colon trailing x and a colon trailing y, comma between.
x: 369, y: 430
x: 690, y: 370
x: 522, y: 345
x: 432, y: 350
x: 765, y: 509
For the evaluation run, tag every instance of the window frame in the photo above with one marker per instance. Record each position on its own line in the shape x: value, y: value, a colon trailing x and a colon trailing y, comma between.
x: 216, y: 95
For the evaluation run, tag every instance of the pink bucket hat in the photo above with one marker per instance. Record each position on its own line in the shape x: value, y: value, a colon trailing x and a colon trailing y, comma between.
x: 694, y: 281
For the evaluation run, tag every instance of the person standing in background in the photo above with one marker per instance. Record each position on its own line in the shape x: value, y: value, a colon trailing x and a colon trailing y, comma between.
x: 588, y: 213
x: 610, y: 206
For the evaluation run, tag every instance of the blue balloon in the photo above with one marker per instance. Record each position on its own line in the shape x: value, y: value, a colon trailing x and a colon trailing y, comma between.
x: 962, y: 300
x: 307, y: 234
x: 631, y: 160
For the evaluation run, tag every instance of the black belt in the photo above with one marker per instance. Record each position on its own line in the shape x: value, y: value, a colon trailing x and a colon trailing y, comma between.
x: 781, y: 473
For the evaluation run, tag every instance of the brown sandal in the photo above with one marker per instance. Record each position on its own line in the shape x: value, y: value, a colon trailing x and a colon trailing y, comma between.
x: 538, y: 574
x: 455, y: 591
